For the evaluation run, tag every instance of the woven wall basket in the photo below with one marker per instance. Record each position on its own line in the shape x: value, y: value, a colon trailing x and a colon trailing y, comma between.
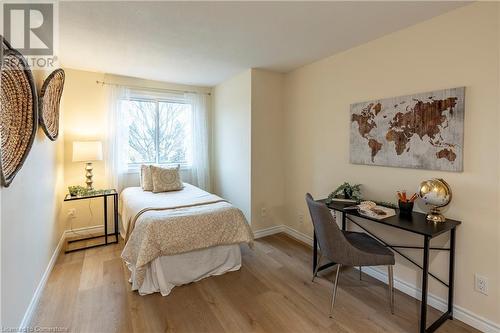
x: 18, y: 113
x: 48, y: 103
x: 5, y: 43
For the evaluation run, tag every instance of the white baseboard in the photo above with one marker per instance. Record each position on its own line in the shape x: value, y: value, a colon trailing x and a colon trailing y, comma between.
x: 283, y: 229
x: 41, y: 285
x: 86, y: 231
x: 459, y: 313
x: 299, y: 236
x: 268, y: 231
x: 436, y: 302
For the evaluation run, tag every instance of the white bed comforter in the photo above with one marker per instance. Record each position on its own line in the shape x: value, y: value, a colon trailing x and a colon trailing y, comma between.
x: 162, y: 224
x: 134, y: 201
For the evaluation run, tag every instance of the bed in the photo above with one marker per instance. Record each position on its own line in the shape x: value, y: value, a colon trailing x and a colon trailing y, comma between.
x: 179, y: 237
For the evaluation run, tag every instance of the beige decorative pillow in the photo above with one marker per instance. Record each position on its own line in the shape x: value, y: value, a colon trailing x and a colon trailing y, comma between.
x: 166, y: 179
x: 146, y: 178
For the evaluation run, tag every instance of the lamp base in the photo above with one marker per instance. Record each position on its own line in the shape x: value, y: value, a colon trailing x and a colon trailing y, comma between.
x: 89, y: 175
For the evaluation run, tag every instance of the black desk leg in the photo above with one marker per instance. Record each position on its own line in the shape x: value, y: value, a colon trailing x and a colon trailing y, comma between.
x: 315, y: 252
x: 425, y: 278
x: 115, y: 208
x: 105, y: 220
x: 451, y: 273
x: 343, y: 221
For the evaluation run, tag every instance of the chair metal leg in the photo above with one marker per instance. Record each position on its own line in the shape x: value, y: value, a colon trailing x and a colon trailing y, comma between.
x: 391, y: 287
x: 360, y: 272
x: 334, y: 295
x: 316, y: 269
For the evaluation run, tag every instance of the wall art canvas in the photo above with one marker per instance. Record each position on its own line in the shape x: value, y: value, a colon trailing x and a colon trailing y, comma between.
x: 424, y: 131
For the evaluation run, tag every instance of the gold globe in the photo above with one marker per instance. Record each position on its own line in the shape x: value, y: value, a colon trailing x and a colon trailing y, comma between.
x: 435, y: 193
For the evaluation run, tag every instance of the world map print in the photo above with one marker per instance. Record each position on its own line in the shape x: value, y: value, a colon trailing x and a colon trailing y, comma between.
x: 422, y: 131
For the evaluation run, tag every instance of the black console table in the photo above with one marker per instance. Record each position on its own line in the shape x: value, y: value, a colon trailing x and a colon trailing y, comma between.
x: 104, y: 194
x: 418, y: 224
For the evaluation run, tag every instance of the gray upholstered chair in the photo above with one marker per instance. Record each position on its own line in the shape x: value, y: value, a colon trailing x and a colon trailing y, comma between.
x: 346, y: 247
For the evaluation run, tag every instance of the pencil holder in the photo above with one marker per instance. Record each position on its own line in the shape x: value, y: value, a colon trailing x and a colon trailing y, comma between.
x: 405, y: 207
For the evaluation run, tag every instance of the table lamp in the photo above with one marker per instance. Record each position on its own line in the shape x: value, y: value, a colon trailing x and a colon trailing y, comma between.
x: 87, y: 151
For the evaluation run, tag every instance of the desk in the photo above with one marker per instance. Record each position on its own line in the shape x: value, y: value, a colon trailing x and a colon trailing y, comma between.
x: 104, y: 194
x: 415, y: 223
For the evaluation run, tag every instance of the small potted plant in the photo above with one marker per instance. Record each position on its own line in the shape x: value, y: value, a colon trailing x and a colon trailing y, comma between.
x: 74, y: 190
x: 346, y: 193
x: 80, y: 191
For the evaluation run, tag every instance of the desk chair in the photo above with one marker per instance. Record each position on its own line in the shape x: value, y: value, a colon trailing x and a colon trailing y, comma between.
x: 347, y: 247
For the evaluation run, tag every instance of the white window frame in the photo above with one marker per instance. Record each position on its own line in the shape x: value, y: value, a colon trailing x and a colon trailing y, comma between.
x: 136, y: 167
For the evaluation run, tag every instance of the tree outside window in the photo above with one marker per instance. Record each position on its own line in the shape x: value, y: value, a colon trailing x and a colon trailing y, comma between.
x: 159, y: 131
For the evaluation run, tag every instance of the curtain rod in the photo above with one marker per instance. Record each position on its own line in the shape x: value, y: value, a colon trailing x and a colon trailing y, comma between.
x: 146, y: 88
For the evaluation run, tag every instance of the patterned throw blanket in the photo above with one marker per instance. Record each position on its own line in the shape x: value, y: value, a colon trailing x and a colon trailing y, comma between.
x: 171, y: 223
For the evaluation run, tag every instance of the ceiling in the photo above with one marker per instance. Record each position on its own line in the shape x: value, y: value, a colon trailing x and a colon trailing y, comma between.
x: 204, y: 43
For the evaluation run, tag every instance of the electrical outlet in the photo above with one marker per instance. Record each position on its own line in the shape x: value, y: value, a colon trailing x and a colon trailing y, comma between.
x: 72, y: 213
x: 263, y: 212
x: 481, y: 284
x: 301, y: 218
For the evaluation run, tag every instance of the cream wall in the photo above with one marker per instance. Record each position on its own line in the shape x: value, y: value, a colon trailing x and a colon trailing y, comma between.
x: 247, y: 142
x: 85, y: 119
x: 460, y: 48
x: 30, y: 227
x: 231, y: 141
x: 267, y: 135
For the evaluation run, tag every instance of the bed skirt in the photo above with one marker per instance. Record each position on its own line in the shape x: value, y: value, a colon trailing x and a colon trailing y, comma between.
x: 165, y: 273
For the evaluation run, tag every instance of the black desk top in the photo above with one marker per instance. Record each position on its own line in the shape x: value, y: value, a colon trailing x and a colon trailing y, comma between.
x: 416, y: 222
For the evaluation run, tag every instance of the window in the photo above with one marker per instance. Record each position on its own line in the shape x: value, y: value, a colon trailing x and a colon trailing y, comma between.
x: 159, y: 131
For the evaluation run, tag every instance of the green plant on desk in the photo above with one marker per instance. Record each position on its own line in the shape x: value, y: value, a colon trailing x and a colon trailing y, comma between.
x: 346, y: 191
x: 81, y: 191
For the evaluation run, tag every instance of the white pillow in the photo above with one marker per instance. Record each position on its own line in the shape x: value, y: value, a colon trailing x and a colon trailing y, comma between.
x: 166, y: 179
x: 146, y: 178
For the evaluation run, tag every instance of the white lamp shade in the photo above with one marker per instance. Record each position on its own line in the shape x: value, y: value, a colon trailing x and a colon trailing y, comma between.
x: 87, y: 151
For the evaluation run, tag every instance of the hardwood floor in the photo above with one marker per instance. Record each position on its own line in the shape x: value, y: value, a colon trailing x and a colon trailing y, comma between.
x: 88, y: 291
